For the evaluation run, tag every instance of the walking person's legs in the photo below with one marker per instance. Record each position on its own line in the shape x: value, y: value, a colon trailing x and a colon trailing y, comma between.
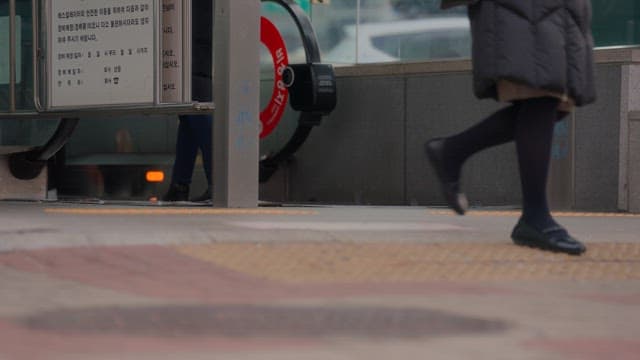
x: 530, y: 123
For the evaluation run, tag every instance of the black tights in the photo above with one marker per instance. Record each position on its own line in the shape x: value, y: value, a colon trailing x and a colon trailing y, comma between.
x: 530, y: 123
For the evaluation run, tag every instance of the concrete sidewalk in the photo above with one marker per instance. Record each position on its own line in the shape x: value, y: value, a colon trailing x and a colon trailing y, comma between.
x: 325, y: 282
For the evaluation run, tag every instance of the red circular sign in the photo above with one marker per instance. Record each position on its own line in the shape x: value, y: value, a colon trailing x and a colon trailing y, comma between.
x: 270, y: 116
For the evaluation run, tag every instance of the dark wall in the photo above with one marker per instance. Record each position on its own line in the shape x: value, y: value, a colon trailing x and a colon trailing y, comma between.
x: 597, y: 139
x: 370, y: 149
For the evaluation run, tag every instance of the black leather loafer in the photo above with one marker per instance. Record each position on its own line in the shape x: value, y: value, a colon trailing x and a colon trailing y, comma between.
x: 204, y: 197
x: 555, y: 239
x: 455, y: 198
x: 177, y: 192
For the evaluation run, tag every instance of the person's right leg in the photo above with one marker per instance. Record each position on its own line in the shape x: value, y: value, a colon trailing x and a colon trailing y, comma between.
x: 201, y: 128
x: 496, y: 129
x: 186, y: 151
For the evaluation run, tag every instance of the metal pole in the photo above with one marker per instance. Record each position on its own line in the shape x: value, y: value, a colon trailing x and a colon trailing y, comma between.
x: 236, y: 90
x: 12, y: 55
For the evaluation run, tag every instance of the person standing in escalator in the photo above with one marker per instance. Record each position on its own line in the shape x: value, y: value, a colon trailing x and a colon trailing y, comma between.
x: 194, y: 131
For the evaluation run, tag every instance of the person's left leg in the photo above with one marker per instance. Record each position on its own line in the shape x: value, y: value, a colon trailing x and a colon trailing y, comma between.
x: 494, y: 130
x: 447, y: 155
x: 201, y: 127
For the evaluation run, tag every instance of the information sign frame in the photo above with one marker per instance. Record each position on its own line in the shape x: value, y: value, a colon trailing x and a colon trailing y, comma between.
x: 45, y: 13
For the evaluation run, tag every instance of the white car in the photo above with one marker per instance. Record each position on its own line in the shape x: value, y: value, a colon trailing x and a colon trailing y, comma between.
x: 404, y: 40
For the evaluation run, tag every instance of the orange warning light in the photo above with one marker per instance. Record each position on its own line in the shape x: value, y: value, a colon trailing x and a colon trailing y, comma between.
x: 155, y: 176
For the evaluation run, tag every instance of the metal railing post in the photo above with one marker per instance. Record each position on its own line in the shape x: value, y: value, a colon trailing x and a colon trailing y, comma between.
x: 12, y: 55
x: 236, y: 87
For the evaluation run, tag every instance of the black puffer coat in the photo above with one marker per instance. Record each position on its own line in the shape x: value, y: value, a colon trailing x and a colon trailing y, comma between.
x: 544, y: 44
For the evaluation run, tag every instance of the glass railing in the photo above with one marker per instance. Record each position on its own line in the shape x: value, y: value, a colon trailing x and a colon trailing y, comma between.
x: 24, y: 55
x: 366, y: 31
x: 20, y: 132
x: 350, y: 31
x: 616, y: 22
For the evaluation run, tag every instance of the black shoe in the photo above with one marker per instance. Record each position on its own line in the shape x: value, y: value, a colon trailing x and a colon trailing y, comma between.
x: 204, y: 198
x: 455, y: 198
x: 177, y: 192
x: 555, y: 239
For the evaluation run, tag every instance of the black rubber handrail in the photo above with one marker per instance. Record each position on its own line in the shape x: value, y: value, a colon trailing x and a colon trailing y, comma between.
x: 307, y: 120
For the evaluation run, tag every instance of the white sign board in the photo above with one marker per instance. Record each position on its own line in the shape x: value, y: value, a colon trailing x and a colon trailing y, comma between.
x: 172, y: 51
x: 101, y: 52
x: 4, y: 49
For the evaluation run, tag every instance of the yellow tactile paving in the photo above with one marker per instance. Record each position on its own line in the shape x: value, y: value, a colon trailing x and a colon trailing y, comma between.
x: 513, y: 213
x: 413, y: 262
x: 272, y: 211
x: 175, y: 211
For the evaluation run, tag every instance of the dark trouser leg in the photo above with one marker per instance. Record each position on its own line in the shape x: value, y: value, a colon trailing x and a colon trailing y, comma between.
x: 186, y: 151
x: 201, y: 126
